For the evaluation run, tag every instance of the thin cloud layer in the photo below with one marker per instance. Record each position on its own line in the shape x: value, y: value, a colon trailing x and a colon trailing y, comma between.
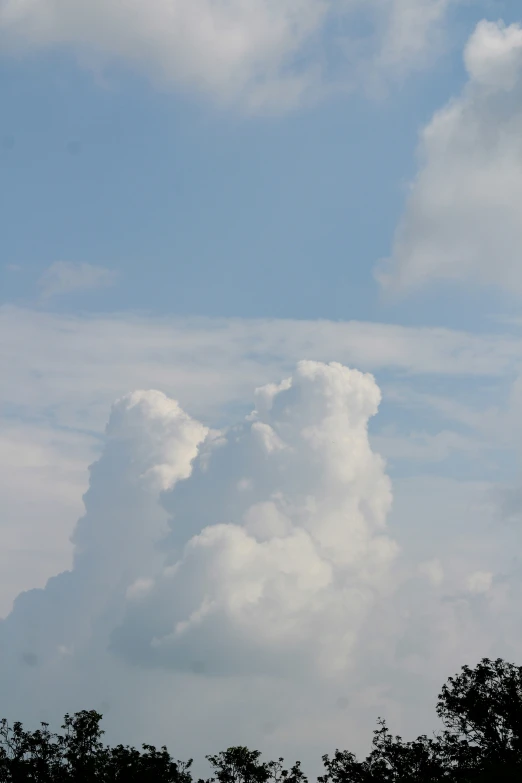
x: 262, y: 53
x: 77, y: 366
x: 463, y: 220
x: 63, y: 277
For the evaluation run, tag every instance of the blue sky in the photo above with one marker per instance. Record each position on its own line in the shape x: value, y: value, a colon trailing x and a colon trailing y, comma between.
x: 202, y: 201
x: 206, y: 211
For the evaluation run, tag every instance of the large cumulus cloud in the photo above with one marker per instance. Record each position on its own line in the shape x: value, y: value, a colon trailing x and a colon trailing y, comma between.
x: 61, y: 373
x: 274, y: 552
x: 289, y: 547
x: 255, y: 560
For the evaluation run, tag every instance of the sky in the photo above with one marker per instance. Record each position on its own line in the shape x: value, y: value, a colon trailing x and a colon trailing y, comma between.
x: 260, y: 351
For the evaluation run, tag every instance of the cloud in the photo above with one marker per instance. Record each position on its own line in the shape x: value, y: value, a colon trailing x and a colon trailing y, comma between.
x: 42, y: 479
x: 267, y: 539
x: 479, y: 582
x: 149, y: 446
x: 463, y: 219
x: 508, y: 500
x: 433, y: 571
x: 414, y: 32
x: 60, y: 374
x: 76, y: 366
x: 278, y: 538
x: 66, y: 278
x: 261, y: 53
x: 224, y: 580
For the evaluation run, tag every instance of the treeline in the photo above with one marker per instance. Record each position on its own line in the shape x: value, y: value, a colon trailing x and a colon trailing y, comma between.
x: 480, y: 742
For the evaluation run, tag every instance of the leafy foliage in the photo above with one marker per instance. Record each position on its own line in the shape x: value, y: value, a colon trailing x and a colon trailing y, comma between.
x: 391, y: 759
x: 79, y: 755
x: 241, y: 765
x: 481, y: 711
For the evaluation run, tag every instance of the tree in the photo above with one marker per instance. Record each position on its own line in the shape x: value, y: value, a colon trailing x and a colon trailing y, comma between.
x: 79, y: 756
x: 241, y: 765
x: 391, y: 760
x: 481, y: 710
x: 28, y: 756
x: 128, y: 765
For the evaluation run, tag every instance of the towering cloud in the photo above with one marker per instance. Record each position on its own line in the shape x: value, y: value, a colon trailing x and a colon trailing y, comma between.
x: 150, y: 445
x: 278, y: 544
x: 266, y: 551
x: 257, y: 559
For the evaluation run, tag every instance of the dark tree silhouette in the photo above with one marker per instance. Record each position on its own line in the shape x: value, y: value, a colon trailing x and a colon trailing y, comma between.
x: 79, y: 756
x: 391, y: 759
x: 481, y: 710
x: 241, y: 765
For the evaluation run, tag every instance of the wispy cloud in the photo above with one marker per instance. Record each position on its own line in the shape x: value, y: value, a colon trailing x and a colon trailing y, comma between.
x: 258, y: 53
x: 68, y: 278
x: 78, y: 365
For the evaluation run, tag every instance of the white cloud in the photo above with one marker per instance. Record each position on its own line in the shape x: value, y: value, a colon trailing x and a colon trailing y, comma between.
x: 287, y: 571
x: 42, y: 479
x: 262, y: 561
x: 479, y: 582
x: 414, y: 31
x: 210, y: 364
x: 159, y: 459
x: 433, y: 571
x: 60, y: 374
x: 78, y: 366
x: 270, y: 564
x: 149, y: 446
x: 66, y: 278
x: 260, y: 52
x: 493, y: 56
x: 463, y: 219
